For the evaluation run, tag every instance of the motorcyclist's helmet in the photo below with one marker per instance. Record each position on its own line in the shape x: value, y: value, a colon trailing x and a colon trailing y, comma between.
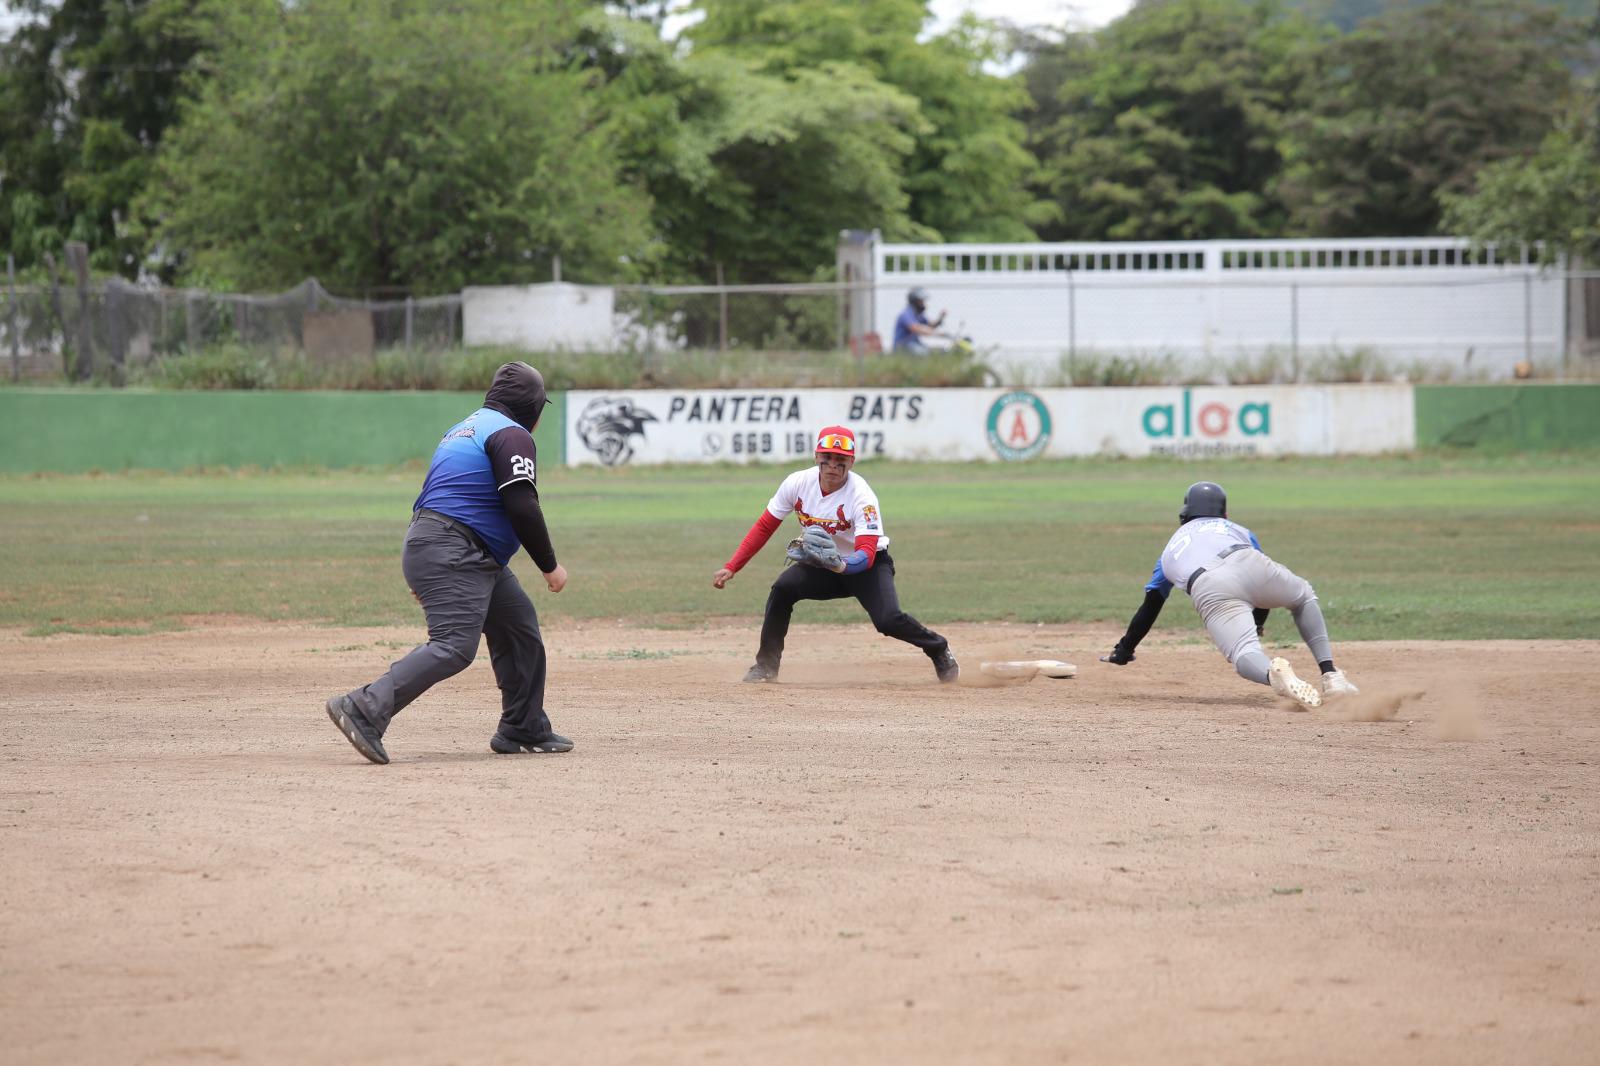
x: 918, y: 298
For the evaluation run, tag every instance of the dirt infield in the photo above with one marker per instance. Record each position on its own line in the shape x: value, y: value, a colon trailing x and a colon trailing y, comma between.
x: 1154, y: 864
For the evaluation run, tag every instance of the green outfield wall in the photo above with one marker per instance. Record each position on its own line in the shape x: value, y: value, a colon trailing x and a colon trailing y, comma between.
x: 77, y: 430
x: 1511, y: 417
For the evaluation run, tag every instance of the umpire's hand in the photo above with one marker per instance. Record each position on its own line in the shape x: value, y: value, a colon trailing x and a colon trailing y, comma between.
x: 556, y: 580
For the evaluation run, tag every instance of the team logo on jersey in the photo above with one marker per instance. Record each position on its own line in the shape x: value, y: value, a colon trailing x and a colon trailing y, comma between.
x: 1019, y: 426
x: 869, y: 514
x: 840, y: 524
x: 608, y: 425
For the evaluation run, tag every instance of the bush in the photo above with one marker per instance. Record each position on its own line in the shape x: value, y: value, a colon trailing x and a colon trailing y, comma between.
x: 469, y: 370
x: 1101, y: 368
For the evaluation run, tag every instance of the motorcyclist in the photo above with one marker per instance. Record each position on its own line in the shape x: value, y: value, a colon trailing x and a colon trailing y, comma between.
x: 913, y: 325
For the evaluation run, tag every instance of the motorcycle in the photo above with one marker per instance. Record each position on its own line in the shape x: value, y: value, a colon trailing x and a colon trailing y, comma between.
x: 957, y: 343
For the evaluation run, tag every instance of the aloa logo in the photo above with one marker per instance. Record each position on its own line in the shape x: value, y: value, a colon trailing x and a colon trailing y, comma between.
x: 1211, y: 419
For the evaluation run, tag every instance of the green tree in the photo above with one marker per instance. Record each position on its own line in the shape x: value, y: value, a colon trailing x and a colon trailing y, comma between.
x: 1347, y: 14
x: 87, y: 90
x: 1551, y: 197
x: 1413, y: 104
x: 749, y: 169
x: 1169, y: 120
x: 794, y: 158
x: 393, y: 144
x: 967, y: 169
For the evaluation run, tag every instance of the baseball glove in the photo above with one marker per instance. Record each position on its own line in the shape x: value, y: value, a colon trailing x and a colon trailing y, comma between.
x: 816, y: 548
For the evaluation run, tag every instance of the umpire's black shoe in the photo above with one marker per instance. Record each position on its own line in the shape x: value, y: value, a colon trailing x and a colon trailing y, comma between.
x: 945, y: 665
x: 758, y: 674
x: 356, y: 729
x: 552, y: 744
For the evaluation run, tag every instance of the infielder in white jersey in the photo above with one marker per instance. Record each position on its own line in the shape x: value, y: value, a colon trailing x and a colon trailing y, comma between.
x: 1233, y: 584
x: 831, y: 496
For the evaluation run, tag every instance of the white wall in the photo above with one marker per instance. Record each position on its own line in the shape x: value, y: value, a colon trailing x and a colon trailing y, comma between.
x: 539, y: 317
x: 1427, y: 300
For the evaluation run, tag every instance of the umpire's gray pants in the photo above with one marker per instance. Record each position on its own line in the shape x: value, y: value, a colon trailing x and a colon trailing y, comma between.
x: 463, y: 593
x: 1227, y: 593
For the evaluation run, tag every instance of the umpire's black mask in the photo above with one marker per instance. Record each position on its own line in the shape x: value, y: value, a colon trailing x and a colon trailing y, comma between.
x: 517, y: 392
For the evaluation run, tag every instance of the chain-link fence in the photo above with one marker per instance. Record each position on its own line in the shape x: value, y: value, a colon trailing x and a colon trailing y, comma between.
x: 768, y: 318
x: 102, y: 330
x: 1026, y: 328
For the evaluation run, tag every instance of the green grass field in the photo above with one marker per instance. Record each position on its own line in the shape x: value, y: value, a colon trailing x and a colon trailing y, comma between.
x: 1436, y: 546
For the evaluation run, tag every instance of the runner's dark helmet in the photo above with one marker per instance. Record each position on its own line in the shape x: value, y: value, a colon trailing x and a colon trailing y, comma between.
x: 1205, y: 499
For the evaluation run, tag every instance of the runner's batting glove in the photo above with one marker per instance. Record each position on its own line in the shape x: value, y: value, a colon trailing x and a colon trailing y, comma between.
x: 816, y: 548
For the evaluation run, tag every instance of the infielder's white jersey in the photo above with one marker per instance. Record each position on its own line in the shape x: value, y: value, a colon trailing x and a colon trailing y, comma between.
x: 1197, y: 545
x: 847, y: 514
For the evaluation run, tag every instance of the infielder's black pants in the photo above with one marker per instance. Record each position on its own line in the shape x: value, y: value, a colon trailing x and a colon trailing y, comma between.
x: 464, y: 593
x: 873, y: 589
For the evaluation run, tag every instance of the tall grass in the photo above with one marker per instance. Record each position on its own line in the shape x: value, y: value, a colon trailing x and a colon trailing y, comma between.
x: 238, y: 366
x: 466, y: 369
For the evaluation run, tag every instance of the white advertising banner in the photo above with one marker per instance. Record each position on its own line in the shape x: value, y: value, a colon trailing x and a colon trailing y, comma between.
x: 649, y: 426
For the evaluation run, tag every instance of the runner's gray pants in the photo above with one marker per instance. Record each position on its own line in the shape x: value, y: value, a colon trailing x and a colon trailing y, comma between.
x: 463, y: 593
x: 1226, y: 594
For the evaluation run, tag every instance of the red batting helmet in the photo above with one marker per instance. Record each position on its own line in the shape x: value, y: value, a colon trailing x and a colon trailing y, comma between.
x: 838, y: 440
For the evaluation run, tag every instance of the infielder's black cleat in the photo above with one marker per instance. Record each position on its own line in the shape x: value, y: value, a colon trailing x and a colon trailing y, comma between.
x: 945, y: 665
x: 758, y: 674
x: 356, y: 729
x: 553, y: 744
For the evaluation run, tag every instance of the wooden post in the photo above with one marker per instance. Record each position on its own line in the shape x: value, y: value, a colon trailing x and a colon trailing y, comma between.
x: 191, y: 322
x: 61, y: 316
x: 78, y: 258
x: 116, y: 326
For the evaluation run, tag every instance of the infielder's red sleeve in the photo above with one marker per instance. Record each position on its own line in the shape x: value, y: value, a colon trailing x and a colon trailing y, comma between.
x: 868, y: 543
x: 754, y: 540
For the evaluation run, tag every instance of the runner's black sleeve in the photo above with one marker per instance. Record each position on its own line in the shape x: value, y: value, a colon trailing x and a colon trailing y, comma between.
x: 527, y: 518
x: 1142, y: 620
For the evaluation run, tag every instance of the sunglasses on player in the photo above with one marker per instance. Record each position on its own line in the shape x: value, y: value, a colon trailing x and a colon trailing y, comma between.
x: 835, y: 440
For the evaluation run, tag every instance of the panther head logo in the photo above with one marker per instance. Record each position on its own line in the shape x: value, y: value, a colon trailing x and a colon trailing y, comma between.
x: 607, y: 427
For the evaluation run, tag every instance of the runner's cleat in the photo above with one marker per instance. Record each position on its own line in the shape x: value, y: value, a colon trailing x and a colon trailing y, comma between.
x: 1284, y: 682
x: 1334, y: 683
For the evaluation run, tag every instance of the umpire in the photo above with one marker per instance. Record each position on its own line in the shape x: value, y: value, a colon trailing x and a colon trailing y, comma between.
x: 479, y: 503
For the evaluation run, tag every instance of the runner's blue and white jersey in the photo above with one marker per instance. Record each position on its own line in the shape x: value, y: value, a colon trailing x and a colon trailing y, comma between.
x: 1196, y: 545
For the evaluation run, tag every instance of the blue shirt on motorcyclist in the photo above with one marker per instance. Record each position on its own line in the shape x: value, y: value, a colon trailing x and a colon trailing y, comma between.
x: 907, y: 338
x: 904, y: 338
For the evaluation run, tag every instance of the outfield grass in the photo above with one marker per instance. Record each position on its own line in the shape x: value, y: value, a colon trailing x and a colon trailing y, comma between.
x: 1438, y: 546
